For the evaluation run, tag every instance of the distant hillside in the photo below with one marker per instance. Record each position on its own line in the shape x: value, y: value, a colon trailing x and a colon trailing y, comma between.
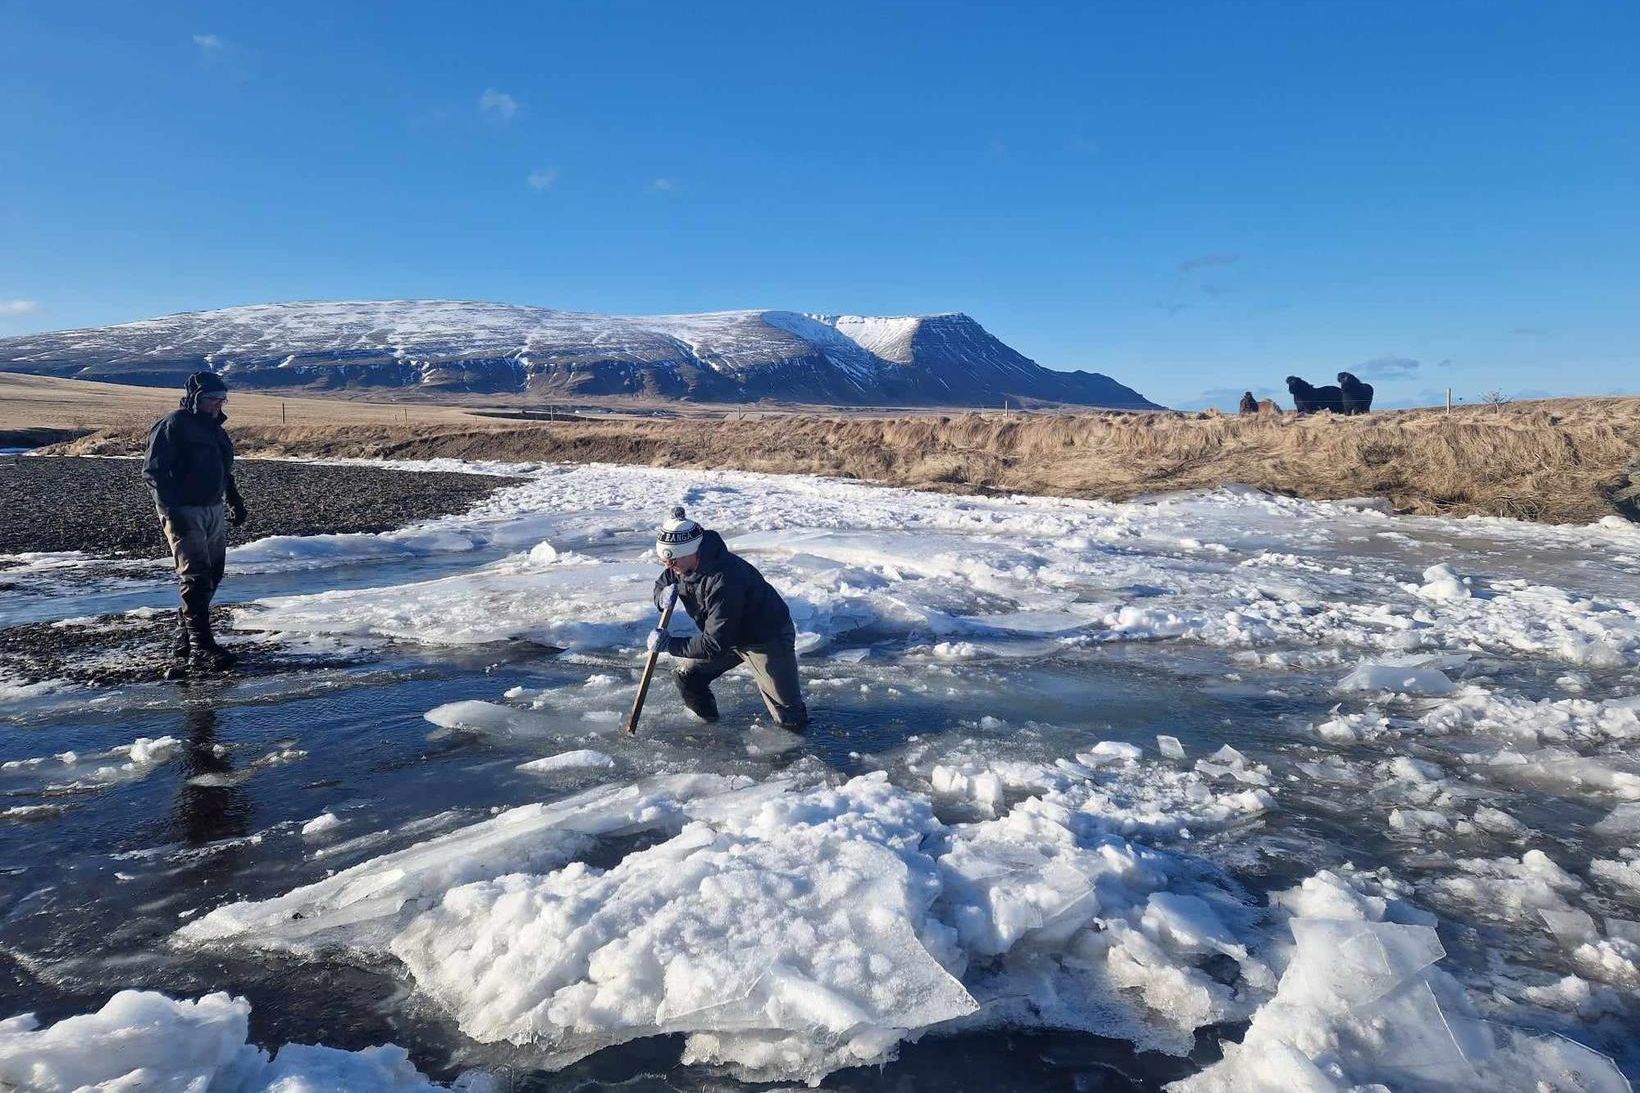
x: 454, y: 346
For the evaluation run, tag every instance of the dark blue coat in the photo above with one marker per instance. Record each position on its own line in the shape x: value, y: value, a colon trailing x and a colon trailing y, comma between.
x: 190, y: 461
x: 729, y: 600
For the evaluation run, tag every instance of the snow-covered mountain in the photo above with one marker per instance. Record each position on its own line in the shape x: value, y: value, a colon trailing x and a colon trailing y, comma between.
x: 458, y: 346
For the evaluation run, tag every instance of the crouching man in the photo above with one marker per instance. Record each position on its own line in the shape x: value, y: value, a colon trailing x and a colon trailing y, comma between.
x: 189, y: 471
x: 742, y: 620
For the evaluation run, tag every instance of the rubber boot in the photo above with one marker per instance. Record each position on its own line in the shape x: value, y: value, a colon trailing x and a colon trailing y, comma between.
x: 206, y: 652
x: 179, y: 643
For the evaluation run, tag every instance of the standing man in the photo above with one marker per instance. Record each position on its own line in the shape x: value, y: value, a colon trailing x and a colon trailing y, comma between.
x: 742, y: 620
x: 189, y: 471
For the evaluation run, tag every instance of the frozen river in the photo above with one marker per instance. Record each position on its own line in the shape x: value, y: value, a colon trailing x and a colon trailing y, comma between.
x: 1227, y: 790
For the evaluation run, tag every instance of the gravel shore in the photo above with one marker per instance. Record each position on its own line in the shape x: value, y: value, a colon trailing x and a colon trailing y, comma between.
x: 101, y: 506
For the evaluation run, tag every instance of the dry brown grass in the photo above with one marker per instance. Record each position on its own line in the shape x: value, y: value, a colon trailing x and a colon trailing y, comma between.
x: 42, y: 402
x: 1564, y: 460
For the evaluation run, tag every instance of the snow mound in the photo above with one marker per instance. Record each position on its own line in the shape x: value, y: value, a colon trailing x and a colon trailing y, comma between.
x: 142, y: 1040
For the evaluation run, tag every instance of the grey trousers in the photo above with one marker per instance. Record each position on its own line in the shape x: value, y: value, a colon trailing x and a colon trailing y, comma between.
x: 773, y: 666
x: 198, y: 535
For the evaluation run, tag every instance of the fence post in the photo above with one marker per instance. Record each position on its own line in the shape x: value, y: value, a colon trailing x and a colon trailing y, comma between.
x: 281, y: 411
x: 1449, y: 400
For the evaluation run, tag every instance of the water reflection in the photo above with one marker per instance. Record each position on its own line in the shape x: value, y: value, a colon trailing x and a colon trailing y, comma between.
x: 210, y: 805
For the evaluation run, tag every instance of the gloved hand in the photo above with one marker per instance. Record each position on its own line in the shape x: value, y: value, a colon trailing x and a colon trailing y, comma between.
x: 657, y: 640
x: 237, y: 513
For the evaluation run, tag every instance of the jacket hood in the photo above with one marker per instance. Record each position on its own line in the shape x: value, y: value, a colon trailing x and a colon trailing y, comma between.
x: 712, y: 549
x: 199, y: 384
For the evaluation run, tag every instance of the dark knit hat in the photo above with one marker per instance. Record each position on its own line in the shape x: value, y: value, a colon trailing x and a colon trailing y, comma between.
x: 206, y: 383
x: 202, y: 384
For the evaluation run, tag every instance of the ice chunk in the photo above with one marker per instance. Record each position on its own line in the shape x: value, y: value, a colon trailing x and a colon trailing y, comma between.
x: 1572, y: 927
x: 1399, y: 676
x: 1110, y: 751
x: 583, y: 759
x: 1621, y: 822
x: 1625, y: 874
x: 144, y: 1040
x: 1363, y: 1005
x: 1441, y: 582
x: 71, y: 771
x: 1613, y: 960
x: 365, y: 906
x: 492, y: 719
x: 786, y: 935
x: 321, y: 823
x: 1073, y: 929
x: 983, y: 788
x: 1170, y: 747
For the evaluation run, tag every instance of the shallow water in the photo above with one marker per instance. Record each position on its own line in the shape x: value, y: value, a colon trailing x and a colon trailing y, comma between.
x: 942, y: 635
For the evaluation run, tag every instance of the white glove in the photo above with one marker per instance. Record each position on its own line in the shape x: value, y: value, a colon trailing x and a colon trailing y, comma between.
x: 657, y: 640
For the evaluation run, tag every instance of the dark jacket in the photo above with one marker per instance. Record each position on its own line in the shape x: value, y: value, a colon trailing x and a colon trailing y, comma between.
x: 729, y: 600
x: 190, y: 461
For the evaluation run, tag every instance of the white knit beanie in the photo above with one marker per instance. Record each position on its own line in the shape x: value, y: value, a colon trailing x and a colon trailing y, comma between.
x: 679, y: 537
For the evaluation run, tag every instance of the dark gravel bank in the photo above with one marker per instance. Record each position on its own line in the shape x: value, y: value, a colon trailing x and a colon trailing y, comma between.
x: 100, y: 506
x: 114, y: 650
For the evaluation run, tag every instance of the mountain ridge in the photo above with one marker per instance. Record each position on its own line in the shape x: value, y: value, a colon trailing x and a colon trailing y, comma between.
x: 458, y: 346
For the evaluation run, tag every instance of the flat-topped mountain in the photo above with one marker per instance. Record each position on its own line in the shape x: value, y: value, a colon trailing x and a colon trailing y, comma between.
x: 457, y: 346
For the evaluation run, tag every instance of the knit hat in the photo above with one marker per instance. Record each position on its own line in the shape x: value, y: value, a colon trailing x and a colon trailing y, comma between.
x: 202, y: 385
x: 206, y: 383
x: 679, y: 537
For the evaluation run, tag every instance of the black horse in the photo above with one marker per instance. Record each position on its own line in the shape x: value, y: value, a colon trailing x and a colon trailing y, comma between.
x: 1357, y: 395
x: 1309, y: 399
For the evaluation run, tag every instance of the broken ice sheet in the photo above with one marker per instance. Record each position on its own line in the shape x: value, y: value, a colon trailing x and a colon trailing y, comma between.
x: 1368, y: 959
x: 798, y: 917
x: 364, y: 906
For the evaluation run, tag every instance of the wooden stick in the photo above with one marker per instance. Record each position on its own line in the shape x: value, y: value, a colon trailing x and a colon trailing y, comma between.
x: 649, y: 668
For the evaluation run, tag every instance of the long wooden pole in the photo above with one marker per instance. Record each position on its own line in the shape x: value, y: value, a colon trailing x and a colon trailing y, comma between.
x: 649, y: 667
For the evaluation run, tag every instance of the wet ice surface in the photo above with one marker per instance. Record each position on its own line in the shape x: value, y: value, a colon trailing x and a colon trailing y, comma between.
x: 1091, y: 788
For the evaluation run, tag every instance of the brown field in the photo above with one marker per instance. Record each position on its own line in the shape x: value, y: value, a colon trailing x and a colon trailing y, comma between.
x: 1558, y: 461
x: 39, y: 402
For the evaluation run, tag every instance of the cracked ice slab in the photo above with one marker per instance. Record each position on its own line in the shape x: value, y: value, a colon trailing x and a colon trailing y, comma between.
x: 786, y: 936
x: 364, y: 906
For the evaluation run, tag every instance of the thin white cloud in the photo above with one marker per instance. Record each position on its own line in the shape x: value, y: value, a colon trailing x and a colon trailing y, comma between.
x: 1209, y: 261
x: 498, y: 107
x: 209, y: 43
x: 543, y: 180
x: 661, y: 184
x: 1388, y: 367
x: 19, y: 307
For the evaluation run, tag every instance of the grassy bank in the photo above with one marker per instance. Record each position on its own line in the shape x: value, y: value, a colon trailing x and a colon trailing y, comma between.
x: 1558, y: 461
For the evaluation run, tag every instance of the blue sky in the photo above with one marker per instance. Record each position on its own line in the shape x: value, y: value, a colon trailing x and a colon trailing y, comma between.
x: 1193, y: 198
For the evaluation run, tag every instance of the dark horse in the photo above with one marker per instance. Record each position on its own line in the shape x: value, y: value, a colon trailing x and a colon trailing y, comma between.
x: 1357, y: 395
x: 1308, y: 399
